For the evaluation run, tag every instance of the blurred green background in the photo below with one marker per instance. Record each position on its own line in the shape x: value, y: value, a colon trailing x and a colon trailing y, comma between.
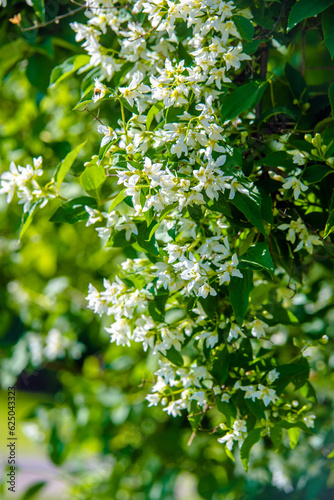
x: 80, y: 402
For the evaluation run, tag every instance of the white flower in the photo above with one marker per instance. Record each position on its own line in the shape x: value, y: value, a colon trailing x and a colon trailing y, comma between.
x: 99, y: 90
x: 239, y: 434
x: 174, y: 408
x: 267, y: 395
x: 225, y: 397
x: 296, y: 185
x: 108, y: 133
x: 308, y: 240
x: 211, y: 338
x: 135, y: 89
x: 94, y: 215
x: 228, y: 439
x: 258, y: 328
x: 233, y: 57
x: 120, y: 332
x: 236, y: 186
x: 55, y: 344
x: 235, y: 332
x: 309, y: 420
x: 226, y: 271
x: 206, y: 290
x: 295, y: 227
x: 272, y: 376
x: 299, y: 157
x: 153, y: 399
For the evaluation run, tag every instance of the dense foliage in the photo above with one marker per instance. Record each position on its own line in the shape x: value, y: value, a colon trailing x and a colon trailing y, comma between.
x: 212, y: 191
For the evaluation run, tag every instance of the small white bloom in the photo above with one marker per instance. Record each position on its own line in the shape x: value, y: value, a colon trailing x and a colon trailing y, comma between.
x: 296, y: 185
x: 272, y: 376
x: 99, y: 90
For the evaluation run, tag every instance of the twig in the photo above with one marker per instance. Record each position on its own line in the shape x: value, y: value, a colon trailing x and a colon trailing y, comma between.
x: 55, y: 20
x: 263, y: 73
x: 89, y: 111
x: 191, y: 438
x: 144, y: 34
x: 276, y: 23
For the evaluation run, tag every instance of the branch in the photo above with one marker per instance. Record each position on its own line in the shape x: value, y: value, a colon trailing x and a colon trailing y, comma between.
x: 96, y: 117
x: 55, y: 20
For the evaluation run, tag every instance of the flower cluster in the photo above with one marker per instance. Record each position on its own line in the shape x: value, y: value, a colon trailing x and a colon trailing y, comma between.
x: 199, y: 222
x: 306, y: 239
x: 23, y: 182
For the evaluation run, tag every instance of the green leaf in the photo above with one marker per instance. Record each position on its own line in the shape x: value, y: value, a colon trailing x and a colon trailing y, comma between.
x: 293, y: 436
x: 156, y: 306
x: 331, y: 97
x: 33, y: 490
x: 245, y: 27
x: 229, y: 454
x: 174, y: 356
x: 183, y: 53
x: 251, y: 47
x: 289, y: 425
x: 331, y: 454
x: 68, y: 67
x: 154, y: 110
x: 239, y: 100
x: 143, y: 240
x: 276, y: 435
x: 257, y: 258
x: 303, y: 9
x: 292, y: 369
x: 278, y: 159
x: 278, y: 110
x: 308, y: 392
x: 74, y: 210
x: 315, y: 173
x: 220, y: 206
x: 117, y: 200
x: 119, y: 76
x: 250, y: 206
x: 118, y: 239
x: 56, y: 447
x: 104, y: 149
x: 239, y: 290
x: 280, y: 315
x: 329, y: 224
x: 227, y: 409
x: 220, y: 365
x: 38, y: 6
x: 27, y: 219
x: 125, y: 103
x: 195, y: 415
x: 66, y: 164
x: 165, y: 212
x: 92, y: 179
x: 255, y: 408
x: 86, y: 99
x: 252, y: 438
x: 327, y: 19
x: 266, y: 207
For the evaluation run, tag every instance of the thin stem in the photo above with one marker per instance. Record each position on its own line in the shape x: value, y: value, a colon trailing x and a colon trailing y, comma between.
x: 55, y: 20
x: 124, y: 124
x: 89, y: 111
x: 263, y: 73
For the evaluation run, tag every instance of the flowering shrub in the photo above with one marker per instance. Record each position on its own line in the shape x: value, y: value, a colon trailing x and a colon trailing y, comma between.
x: 214, y: 176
